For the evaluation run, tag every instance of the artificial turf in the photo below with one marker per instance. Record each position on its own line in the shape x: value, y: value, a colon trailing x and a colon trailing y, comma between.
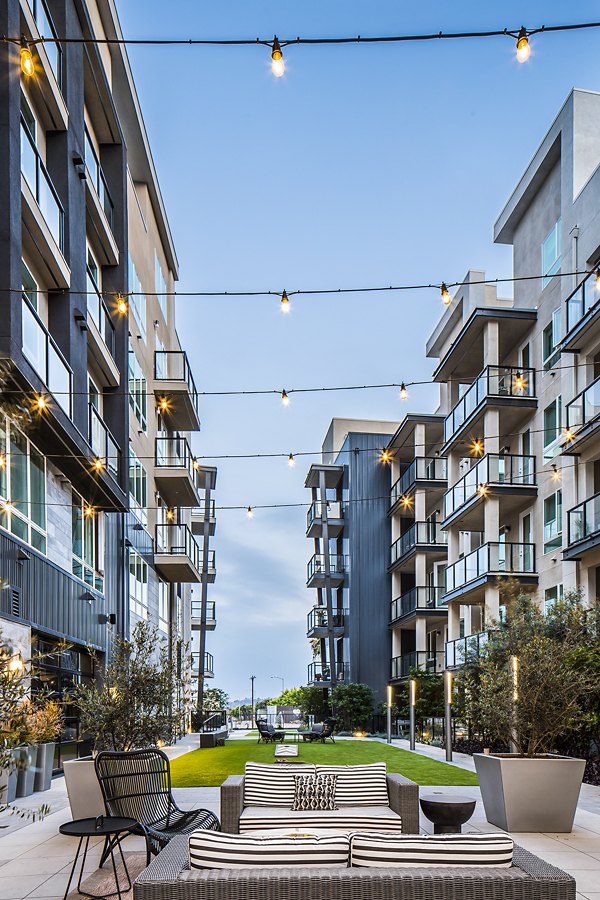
x: 209, y: 767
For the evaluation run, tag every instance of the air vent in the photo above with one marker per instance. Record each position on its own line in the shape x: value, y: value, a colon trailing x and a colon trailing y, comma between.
x: 15, y: 601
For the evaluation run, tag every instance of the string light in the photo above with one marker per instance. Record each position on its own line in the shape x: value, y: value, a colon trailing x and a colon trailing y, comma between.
x: 406, y: 501
x: 286, y: 306
x: 88, y: 511
x: 556, y: 475
x: 40, y: 403
x: 403, y: 392
x: 98, y: 464
x: 291, y: 461
x: 284, y: 398
x: 2, y: 460
x: 385, y: 456
x: 446, y: 298
x: 122, y: 305
x: 277, y: 61
x: 569, y: 435
x: 523, y: 48
x: 520, y: 382
x: 482, y: 489
x: 477, y: 447
x: 598, y: 279
x: 250, y: 512
x: 170, y: 515
x: 164, y: 404
x: 6, y: 505
x: 27, y: 63
x: 195, y: 464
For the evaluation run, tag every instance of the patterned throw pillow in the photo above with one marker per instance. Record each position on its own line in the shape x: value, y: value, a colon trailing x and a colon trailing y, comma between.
x: 314, y: 792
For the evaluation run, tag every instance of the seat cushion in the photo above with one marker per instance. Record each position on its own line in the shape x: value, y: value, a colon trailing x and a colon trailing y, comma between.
x: 359, y: 785
x: 410, y: 850
x: 361, y: 818
x: 272, y: 785
x: 216, y: 850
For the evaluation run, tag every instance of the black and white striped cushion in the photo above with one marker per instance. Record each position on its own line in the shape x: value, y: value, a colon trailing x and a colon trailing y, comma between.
x: 405, y: 851
x: 272, y: 785
x: 314, y: 792
x: 359, y: 785
x: 362, y: 818
x: 217, y: 850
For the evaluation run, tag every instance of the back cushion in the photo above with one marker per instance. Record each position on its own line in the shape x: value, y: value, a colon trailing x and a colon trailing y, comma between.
x: 272, y: 785
x: 385, y: 850
x: 359, y: 785
x: 217, y: 850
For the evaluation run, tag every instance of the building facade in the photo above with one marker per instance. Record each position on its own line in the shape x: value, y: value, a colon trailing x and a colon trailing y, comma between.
x: 98, y: 482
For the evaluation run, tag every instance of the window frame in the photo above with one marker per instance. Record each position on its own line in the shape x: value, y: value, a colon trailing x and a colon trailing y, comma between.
x: 138, y: 586
x: 16, y: 518
x: 554, y: 236
x: 88, y: 566
x: 552, y: 527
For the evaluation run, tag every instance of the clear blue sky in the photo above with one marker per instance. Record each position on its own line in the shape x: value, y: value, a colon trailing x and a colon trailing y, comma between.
x: 362, y: 165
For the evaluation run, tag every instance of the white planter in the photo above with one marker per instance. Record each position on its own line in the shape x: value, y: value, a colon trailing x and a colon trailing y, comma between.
x: 522, y: 794
x: 83, y: 789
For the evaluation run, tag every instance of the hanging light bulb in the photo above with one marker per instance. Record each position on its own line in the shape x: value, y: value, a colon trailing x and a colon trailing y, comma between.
x: 386, y: 456
x: 122, y: 306
x: 482, y: 489
x: 164, y: 404
x: 98, y: 464
x: 406, y: 501
x: 88, y: 512
x: 523, y: 48
x: 284, y: 398
x: 40, y: 403
x: 286, y: 306
x: 446, y: 298
x: 556, y: 475
x: 403, y: 392
x: 477, y: 447
x: 2, y: 460
x: 520, y: 382
x: 569, y: 435
x: 277, y: 63
x: 27, y: 63
x: 250, y: 512
x: 291, y: 461
x: 170, y: 515
x: 6, y: 505
x: 598, y: 279
x: 195, y: 464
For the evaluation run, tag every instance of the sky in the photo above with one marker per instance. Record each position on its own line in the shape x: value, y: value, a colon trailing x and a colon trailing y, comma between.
x: 363, y: 165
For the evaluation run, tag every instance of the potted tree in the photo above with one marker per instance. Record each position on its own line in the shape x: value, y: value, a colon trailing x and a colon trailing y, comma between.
x: 46, y: 722
x: 526, y: 690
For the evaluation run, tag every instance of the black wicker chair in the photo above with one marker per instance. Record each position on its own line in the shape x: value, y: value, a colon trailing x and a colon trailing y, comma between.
x: 267, y: 732
x: 137, y: 784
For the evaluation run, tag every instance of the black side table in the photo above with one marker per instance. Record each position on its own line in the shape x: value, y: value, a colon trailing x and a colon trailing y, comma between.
x: 108, y: 827
x: 447, y: 812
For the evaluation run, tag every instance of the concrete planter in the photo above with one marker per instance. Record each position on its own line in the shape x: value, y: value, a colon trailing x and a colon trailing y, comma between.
x: 83, y: 789
x: 45, y: 764
x: 26, y: 772
x: 521, y: 794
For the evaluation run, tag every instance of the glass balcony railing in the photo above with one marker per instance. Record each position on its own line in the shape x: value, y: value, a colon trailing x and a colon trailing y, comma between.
x: 40, y: 184
x: 463, y: 649
x: 584, y: 298
x: 98, y: 312
x: 102, y: 442
x: 332, y: 509
x: 494, y: 381
x: 584, y: 520
x: 94, y: 169
x: 338, y: 565
x: 585, y: 407
x: 45, y: 357
x: 427, y: 661
x: 173, y: 365
x: 318, y: 618
x: 422, y: 468
x: 322, y: 672
x: 492, y: 558
x: 420, y: 533
x: 493, y: 469
x: 416, y: 598
x: 45, y: 27
x: 177, y: 540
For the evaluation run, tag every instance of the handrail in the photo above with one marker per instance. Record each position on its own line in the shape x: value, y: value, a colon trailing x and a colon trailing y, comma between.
x: 491, y: 558
x: 493, y: 381
x: 419, y: 533
x: 422, y: 468
x: 583, y: 520
x: 492, y: 469
x: 173, y: 365
x: 585, y: 406
x: 322, y: 671
x: 46, y: 29
x: 581, y: 301
x: 318, y: 618
x: 458, y: 651
x: 427, y: 597
x: 177, y: 540
x: 98, y: 310
x: 338, y: 565
x: 429, y: 661
x: 334, y: 510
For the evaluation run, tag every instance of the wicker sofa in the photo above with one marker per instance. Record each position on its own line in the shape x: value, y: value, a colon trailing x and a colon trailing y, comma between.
x: 529, y: 878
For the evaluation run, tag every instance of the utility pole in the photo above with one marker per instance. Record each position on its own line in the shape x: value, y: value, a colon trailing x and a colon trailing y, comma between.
x: 252, y: 677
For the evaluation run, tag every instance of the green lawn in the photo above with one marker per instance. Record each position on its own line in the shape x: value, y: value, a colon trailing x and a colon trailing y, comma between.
x: 210, y: 767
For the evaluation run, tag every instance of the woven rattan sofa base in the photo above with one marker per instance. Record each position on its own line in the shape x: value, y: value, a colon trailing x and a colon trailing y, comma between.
x: 169, y: 878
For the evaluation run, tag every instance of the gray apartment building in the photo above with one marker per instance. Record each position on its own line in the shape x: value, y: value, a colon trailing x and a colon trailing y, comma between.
x: 105, y: 514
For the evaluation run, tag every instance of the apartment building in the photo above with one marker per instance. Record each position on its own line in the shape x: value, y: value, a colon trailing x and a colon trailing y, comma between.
x: 101, y: 496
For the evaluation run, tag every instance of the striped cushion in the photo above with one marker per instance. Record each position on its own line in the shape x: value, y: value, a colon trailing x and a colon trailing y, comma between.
x: 272, y: 785
x: 314, y: 792
x: 407, y: 851
x: 360, y: 818
x: 217, y: 850
x: 359, y: 785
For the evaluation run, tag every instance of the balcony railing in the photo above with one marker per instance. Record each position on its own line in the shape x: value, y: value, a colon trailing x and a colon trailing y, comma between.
x: 45, y: 357
x: 209, y: 663
x: 338, y: 565
x: 422, y: 468
x: 322, y: 672
x: 427, y: 661
x: 177, y: 540
x: 463, y: 649
x: 45, y: 26
x: 584, y: 298
x: 173, y: 365
x: 494, y: 381
x: 427, y: 533
x: 318, y: 618
x: 493, y: 469
x: 332, y: 509
x: 173, y: 452
x: 100, y: 315
x: 584, y: 520
x: 196, y: 610
x: 205, y: 510
x: 210, y: 560
x: 585, y: 407
x: 417, y: 598
x: 40, y: 184
x: 102, y: 442
x: 492, y: 558
x: 92, y: 164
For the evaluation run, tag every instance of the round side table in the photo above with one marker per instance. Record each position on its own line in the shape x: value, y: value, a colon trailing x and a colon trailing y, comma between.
x: 447, y: 812
x: 110, y: 828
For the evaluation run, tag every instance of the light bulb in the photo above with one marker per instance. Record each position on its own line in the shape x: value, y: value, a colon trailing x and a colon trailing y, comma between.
x: 2, y: 461
x: 277, y: 63
x: 519, y: 382
x: 16, y: 664
x: 250, y: 512
x: 598, y: 279
x: 98, y: 465
x: 40, y: 403
x: 482, y: 489
x: 568, y: 435
x: 88, y: 511
x: 403, y: 391
x: 6, y: 505
x: 286, y: 306
x: 195, y: 464
x: 406, y: 501
x: 386, y: 456
x: 291, y: 461
x: 122, y: 306
x: 477, y: 447
x: 170, y: 515
x: 164, y: 404
x: 446, y: 298
x: 556, y: 476
x: 27, y: 63
x: 523, y: 48
x: 284, y: 398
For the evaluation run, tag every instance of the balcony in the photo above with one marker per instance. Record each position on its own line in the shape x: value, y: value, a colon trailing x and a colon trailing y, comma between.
x: 424, y: 660
x: 317, y: 574
x: 319, y: 674
x: 43, y: 354
x: 176, y: 554
x: 583, y: 315
x: 330, y: 512
x: 174, y: 471
x: 101, y: 335
x: 424, y: 471
x: 175, y: 390
x: 99, y: 204
x: 490, y: 561
x: 102, y: 442
x: 583, y: 416
x: 583, y: 528
x: 203, y: 515
x: 210, y: 622
x: 502, y: 475
x: 209, y: 665
x: 507, y: 388
x: 49, y: 63
x: 465, y: 649
x: 426, y: 537
x: 419, y: 601
x: 318, y: 623
x: 208, y: 571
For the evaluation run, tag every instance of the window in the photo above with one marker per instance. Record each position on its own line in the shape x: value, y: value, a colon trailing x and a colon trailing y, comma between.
x: 137, y: 299
x: 553, y: 522
x: 160, y: 285
x: 93, y: 394
x: 138, y: 389
x: 551, y: 595
x: 552, y: 419
x: 23, y: 483
x: 550, y: 340
x: 551, y: 254
x: 29, y: 286
x: 87, y: 544
x: 526, y: 356
x: 138, y: 487
x: 163, y: 606
x: 138, y: 584
x: 28, y: 117
x: 526, y: 443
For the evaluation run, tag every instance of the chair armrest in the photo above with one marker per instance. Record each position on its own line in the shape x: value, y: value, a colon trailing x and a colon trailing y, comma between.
x: 166, y: 867
x: 404, y: 800
x: 232, y: 803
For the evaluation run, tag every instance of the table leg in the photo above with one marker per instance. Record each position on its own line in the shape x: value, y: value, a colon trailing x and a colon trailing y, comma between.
x: 73, y: 868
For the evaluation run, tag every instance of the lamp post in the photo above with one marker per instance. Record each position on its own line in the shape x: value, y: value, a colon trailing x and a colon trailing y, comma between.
x: 514, y: 672
x: 448, y: 710
x: 280, y: 677
x: 412, y: 700
x: 252, y: 677
x: 390, y: 698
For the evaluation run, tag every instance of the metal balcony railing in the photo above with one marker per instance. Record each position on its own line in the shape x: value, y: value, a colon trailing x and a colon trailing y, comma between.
x: 466, y: 648
x: 584, y: 298
x: 173, y: 452
x: 45, y: 357
x: 338, y: 565
x: 173, y: 365
x: 422, y: 468
x: 94, y: 169
x: 494, y: 381
x: 583, y: 521
x: 209, y: 663
x: 585, y: 407
x: 417, y: 659
x: 196, y: 610
x: 332, y: 509
x: 102, y: 442
x: 492, y: 469
x: 416, y: 598
x: 318, y: 618
x: 98, y: 311
x: 420, y: 533
x: 40, y: 184
x: 322, y: 672
x: 178, y: 540
x: 492, y: 558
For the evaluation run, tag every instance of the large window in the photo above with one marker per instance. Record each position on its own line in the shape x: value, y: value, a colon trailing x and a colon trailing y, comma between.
x: 551, y: 253
x: 87, y: 543
x: 137, y: 299
x: 163, y: 606
x: 29, y: 286
x: 551, y: 337
x: 138, y: 390
x: 22, y: 487
x: 552, y: 420
x: 138, y: 584
x: 553, y: 522
x: 138, y: 487
x: 551, y: 596
x: 160, y: 286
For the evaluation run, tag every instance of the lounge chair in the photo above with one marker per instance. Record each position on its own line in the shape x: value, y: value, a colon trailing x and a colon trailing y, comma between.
x: 267, y: 732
